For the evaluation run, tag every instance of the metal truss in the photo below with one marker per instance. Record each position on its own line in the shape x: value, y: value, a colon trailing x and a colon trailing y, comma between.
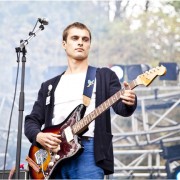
x: 137, y: 139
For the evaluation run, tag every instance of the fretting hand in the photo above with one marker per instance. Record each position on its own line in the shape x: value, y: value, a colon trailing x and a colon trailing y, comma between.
x: 129, y: 96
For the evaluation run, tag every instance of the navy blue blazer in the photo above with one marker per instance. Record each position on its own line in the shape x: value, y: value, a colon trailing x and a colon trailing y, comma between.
x: 107, y: 84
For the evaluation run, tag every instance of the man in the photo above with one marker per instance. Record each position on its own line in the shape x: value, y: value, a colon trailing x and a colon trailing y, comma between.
x: 57, y: 97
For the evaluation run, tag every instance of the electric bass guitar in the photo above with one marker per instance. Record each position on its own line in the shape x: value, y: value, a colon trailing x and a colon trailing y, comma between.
x: 43, y: 162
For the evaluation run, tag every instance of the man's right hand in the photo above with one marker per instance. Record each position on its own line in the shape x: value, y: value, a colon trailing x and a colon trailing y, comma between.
x: 49, y: 141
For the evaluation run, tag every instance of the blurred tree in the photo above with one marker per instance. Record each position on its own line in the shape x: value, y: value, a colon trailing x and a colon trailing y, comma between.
x: 149, y: 37
x: 176, y: 5
x: 147, y: 5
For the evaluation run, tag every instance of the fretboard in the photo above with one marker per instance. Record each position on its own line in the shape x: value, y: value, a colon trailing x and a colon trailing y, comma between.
x: 81, y: 125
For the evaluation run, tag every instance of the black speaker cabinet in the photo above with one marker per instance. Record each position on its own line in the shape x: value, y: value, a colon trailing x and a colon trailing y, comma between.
x: 24, y: 174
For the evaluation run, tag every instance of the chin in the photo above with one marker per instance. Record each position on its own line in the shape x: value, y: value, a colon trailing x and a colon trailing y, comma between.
x: 80, y: 58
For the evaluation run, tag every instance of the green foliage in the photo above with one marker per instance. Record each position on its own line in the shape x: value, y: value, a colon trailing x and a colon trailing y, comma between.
x: 176, y: 5
x: 153, y: 38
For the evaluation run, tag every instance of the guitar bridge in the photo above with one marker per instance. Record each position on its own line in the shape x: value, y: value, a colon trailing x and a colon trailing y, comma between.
x: 41, y: 156
x: 68, y: 134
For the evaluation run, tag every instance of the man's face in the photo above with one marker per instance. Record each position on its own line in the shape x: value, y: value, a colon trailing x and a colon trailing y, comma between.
x: 78, y: 44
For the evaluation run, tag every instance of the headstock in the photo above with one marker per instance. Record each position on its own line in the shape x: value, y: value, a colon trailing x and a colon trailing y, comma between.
x: 147, y: 77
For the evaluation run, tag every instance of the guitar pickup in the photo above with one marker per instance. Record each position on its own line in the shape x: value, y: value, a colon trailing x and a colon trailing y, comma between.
x: 68, y: 134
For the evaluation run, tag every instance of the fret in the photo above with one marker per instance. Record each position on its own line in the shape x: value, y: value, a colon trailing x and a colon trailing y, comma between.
x: 89, y: 118
x: 78, y: 126
x: 75, y: 128
x: 101, y: 108
x: 96, y: 113
x: 105, y: 104
x: 81, y: 124
x: 119, y: 94
x: 85, y: 120
x: 122, y: 91
x: 116, y: 97
x: 92, y: 115
x: 111, y: 100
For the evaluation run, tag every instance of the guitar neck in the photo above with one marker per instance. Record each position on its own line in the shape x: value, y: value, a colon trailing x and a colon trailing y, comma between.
x: 81, y: 125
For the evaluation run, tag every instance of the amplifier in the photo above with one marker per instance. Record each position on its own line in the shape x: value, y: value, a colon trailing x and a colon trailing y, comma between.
x: 24, y: 174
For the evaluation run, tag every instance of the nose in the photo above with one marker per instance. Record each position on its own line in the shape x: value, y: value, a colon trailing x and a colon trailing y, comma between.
x: 80, y: 42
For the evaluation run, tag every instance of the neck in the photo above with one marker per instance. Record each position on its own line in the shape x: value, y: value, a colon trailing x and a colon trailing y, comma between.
x: 75, y: 67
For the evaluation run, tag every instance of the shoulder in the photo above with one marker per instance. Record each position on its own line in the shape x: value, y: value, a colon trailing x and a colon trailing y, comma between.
x: 52, y: 80
x: 105, y: 71
x: 51, y: 83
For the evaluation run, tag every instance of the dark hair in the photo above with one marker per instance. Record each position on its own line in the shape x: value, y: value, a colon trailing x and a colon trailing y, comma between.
x: 74, y: 25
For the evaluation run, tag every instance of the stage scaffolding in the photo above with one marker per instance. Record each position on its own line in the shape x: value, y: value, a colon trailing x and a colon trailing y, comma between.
x: 137, y: 139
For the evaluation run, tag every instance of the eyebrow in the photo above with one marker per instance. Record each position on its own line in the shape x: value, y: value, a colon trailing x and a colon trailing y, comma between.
x: 83, y: 37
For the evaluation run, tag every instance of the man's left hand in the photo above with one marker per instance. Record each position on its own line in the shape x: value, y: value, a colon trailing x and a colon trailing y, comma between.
x: 129, y: 96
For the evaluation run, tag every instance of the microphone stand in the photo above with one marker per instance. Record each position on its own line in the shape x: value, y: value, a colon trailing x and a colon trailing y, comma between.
x: 21, y: 97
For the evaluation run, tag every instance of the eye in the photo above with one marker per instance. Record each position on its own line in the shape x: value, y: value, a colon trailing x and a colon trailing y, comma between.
x: 74, y: 38
x: 85, y: 39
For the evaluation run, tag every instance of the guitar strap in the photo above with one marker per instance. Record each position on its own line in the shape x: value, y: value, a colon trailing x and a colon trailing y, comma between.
x: 89, y: 85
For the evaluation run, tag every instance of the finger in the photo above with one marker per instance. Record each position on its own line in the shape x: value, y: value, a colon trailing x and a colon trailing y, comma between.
x: 49, y: 146
x: 54, y: 137
x: 55, y: 150
x: 127, y: 97
x: 128, y: 94
x: 53, y: 142
x: 128, y: 102
x: 125, y: 84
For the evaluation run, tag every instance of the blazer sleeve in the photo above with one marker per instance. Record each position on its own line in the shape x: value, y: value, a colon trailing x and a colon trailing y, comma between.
x: 119, y: 107
x: 35, y: 120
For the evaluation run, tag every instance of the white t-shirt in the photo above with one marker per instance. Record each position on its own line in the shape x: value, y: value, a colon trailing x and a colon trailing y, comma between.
x: 68, y: 95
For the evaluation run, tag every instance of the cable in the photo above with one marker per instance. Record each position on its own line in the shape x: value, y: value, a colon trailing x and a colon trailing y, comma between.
x: 10, y: 118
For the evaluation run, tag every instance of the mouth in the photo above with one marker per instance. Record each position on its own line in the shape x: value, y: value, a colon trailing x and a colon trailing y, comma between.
x: 79, y: 49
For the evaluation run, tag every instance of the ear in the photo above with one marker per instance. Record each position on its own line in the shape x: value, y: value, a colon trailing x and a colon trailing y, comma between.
x: 64, y: 44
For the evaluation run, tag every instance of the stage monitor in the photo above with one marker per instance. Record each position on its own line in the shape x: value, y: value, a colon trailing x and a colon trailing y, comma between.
x: 119, y: 70
x: 172, y: 71
x: 133, y: 71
